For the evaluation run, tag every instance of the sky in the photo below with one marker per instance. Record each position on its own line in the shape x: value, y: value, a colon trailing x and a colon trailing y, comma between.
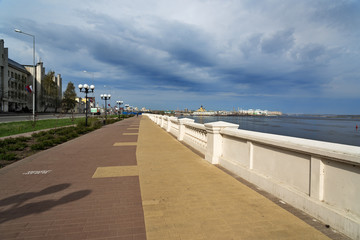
x: 278, y: 55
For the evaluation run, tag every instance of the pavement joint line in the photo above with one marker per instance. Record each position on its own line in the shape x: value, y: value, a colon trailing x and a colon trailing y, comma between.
x: 116, y: 171
x: 132, y: 128
x: 130, y: 133
x: 120, y: 144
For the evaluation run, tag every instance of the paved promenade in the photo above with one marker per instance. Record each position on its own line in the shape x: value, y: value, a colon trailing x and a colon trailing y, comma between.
x: 132, y: 180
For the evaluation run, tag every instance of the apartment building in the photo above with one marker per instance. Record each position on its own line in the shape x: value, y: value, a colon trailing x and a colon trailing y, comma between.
x: 16, y: 86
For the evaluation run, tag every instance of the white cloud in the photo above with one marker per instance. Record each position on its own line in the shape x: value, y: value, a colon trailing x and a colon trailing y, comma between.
x: 202, y: 48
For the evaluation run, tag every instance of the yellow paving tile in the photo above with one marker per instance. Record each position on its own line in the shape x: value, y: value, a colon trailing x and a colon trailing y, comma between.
x: 117, y: 171
x: 119, y: 144
x: 185, y: 197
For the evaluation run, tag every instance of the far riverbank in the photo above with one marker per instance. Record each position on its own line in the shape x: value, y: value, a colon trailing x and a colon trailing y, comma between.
x: 329, y: 128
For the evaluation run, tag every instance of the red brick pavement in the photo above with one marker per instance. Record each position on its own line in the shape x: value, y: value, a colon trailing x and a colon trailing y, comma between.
x: 52, y: 195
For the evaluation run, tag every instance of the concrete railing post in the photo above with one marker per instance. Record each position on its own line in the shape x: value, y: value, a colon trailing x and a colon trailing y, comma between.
x: 158, y: 119
x: 170, y: 123
x: 214, y: 140
x: 182, y: 121
x: 162, y: 121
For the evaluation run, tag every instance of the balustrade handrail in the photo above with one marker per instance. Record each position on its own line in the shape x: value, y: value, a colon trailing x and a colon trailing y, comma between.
x: 338, y: 152
x: 196, y: 126
x: 174, y: 120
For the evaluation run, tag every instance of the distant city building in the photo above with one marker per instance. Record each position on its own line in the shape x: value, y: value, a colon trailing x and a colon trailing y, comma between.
x: 202, y: 112
x: 259, y: 112
x: 201, y: 109
x: 16, y: 86
x: 81, y: 104
x: 143, y: 109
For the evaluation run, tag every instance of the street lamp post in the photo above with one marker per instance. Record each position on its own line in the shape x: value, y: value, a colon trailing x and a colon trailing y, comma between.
x: 34, y: 78
x: 105, y: 97
x: 119, y: 102
x: 86, y: 89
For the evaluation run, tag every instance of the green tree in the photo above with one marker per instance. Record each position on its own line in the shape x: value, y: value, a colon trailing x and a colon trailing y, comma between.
x: 69, y: 102
x: 49, y: 92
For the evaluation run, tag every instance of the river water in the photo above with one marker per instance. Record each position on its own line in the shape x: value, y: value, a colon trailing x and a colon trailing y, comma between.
x: 336, y: 129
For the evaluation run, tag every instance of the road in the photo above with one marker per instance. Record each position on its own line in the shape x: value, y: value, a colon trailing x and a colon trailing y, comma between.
x: 17, y: 117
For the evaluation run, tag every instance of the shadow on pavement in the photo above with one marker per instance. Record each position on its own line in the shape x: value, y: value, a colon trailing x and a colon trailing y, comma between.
x: 23, y: 197
x: 18, y: 209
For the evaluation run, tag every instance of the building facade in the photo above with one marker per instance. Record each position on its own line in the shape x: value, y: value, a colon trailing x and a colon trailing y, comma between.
x: 81, y: 104
x: 14, y: 82
x: 46, y: 102
x: 16, y: 86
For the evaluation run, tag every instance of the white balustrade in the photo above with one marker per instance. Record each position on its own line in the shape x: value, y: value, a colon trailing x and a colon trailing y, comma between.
x: 164, y: 124
x: 196, y: 136
x: 175, y: 128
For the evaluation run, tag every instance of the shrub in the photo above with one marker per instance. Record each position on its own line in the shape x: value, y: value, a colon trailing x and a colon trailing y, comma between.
x: 96, y: 125
x: 38, y: 146
x: 16, y: 147
x: 23, y: 139
x: 72, y: 135
x: 92, y: 122
x: 81, y: 130
x: 42, y: 133
x: 9, y: 141
x: 35, y: 135
x: 65, y: 131
x: 8, y: 156
x: 48, y: 143
x: 39, y: 134
x: 46, y: 137
x: 63, y: 138
x: 111, y: 120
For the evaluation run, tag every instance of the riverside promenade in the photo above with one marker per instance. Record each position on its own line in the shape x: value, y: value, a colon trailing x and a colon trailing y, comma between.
x: 132, y: 180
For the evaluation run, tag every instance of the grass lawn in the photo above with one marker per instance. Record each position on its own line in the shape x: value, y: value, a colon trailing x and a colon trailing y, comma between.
x: 12, y: 128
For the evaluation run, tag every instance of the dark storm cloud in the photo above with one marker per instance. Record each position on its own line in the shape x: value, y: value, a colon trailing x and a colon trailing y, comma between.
x: 338, y: 14
x: 198, y: 49
x: 279, y: 42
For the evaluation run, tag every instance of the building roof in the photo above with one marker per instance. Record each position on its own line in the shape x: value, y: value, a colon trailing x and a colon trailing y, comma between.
x: 18, y: 66
x: 201, y: 109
